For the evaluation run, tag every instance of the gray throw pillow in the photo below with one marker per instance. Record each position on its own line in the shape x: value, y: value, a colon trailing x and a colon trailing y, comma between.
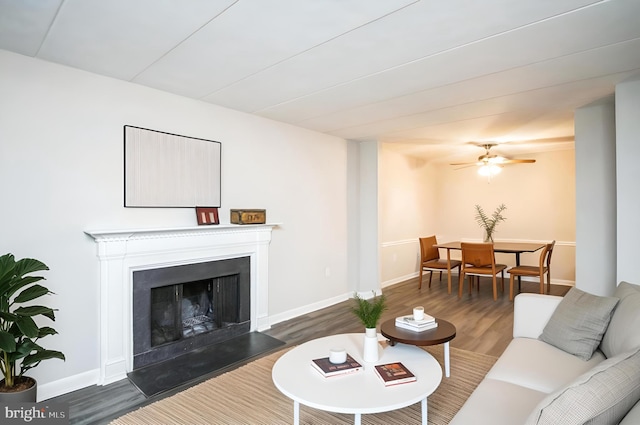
x: 578, y: 323
x: 623, y: 333
x: 600, y: 396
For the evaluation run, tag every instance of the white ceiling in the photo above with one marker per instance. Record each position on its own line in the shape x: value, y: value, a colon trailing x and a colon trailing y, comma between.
x: 423, y: 75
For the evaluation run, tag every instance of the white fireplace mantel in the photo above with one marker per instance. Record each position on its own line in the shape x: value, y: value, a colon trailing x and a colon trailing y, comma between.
x: 121, y: 252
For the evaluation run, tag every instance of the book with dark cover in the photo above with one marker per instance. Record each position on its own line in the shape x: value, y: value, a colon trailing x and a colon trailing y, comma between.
x: 327, y: 369
x: 394, y: 374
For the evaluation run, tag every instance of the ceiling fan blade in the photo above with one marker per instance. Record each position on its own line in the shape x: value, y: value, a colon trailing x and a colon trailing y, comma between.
x: 455, y: 164
x: 467, y: 165
x: 518, y: 161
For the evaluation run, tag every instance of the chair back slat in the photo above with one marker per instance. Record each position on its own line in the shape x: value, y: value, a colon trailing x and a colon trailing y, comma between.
x: 549, y: 252
x: 478, y: 254
x: 543, y: 257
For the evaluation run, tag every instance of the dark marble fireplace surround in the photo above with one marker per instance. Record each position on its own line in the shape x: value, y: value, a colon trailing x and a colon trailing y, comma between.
x: 229, y: 310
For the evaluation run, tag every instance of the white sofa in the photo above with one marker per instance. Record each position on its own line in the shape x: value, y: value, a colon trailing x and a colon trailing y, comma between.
x: 534, y: 382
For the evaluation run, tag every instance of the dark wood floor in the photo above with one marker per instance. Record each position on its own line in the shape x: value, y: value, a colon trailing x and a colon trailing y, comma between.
x: 483, y: 326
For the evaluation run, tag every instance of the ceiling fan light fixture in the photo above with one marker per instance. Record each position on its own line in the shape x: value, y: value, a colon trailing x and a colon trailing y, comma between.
x: 489, y: 170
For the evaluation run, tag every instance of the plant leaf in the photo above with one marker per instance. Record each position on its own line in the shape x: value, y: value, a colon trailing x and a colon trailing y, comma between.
x: 27, y: 326
x: 46, y: 330
x: 7, y: 267
x: 31, y: 293
x: 9, y: 317
x: 29, y: 265
x: 25, y: 348
x: 41, y: 355
x: 35, y: 310
x: 7, y: 342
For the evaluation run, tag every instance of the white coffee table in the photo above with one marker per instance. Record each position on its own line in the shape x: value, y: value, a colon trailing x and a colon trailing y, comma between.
x: 355, y: 393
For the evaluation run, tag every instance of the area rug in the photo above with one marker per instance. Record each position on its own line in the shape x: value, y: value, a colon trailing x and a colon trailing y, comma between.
x: 247, y: 396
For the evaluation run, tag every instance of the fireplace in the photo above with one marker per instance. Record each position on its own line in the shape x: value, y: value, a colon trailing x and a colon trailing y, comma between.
x: 181, y: 308
x: 126, y: 254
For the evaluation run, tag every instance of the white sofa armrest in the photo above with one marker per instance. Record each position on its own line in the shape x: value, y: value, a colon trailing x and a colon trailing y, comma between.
x: 531, y: 312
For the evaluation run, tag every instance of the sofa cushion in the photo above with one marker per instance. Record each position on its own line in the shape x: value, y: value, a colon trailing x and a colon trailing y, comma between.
x: 497, y: 403
x: 602, y: 395
x: 537, y: 365
x: 579, y: 322
x: 623, y: 333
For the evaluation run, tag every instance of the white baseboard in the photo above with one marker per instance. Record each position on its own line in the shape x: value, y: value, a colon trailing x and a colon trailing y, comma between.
x: 67, y: 385
x: 399, y: 279
x: 310, y: 308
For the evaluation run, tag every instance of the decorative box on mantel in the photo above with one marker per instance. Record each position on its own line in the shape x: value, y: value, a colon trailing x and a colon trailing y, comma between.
x: 248, y: 216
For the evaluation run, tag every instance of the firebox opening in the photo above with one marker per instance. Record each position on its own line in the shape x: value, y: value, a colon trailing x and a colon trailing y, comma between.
x: 181, y: 308
x: 189, y: 309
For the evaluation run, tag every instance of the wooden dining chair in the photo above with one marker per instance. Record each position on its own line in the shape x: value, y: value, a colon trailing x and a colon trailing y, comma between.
x: 430, y: 259
x: 543, y: 268
x: 478, y: 259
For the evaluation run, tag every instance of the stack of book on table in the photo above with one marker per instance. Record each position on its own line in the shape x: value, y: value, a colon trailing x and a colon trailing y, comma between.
x: 408, y: 322
x: 327, y: 369
x: 394, y: 374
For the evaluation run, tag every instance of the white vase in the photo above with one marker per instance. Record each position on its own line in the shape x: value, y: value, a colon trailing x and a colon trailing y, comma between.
x: 371, y: 346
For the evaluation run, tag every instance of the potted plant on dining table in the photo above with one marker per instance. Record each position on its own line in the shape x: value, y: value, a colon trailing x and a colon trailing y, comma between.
x: 489, y: 223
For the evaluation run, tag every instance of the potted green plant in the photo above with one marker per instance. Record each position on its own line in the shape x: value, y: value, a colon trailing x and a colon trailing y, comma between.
x: 369, y: 310
x: 19, y: 333
x: 489, y: 223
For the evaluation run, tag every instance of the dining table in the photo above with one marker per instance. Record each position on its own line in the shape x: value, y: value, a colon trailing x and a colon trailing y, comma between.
x: 516, y: 248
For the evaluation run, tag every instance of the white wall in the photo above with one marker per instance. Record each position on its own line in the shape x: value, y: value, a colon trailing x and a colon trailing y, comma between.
x: 61, y: 153
x: 368, y: 223
x: 421, y: 199
x: 408, y: 208
x: 353, y: 214
x: 595, y: 198
x: 628, y: 177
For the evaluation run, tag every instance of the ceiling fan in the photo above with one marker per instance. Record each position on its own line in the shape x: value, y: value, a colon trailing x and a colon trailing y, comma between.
x: 491, y: 164
x: 492, y: 159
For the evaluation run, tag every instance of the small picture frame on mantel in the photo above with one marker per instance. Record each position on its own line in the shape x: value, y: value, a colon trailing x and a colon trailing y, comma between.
x: 207, y: 215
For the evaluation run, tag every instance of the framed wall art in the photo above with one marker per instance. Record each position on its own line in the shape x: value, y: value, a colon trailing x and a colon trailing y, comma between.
x: 165, y: 170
